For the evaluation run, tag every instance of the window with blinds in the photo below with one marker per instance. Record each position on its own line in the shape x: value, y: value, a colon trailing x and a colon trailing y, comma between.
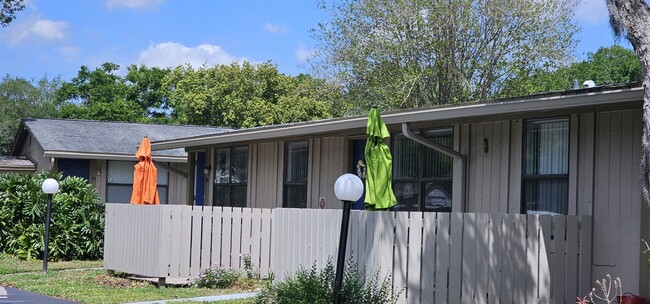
x: 230, y: 177
x: 119, y: 182
x: 422, y: 177
x: 546, y: 166
x: 296, y: 157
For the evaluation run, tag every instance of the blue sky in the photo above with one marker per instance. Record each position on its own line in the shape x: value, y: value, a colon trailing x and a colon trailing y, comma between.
x: 56, y: 37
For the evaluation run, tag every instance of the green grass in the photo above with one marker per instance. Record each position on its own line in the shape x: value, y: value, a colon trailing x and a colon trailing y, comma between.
x: 95, y: 286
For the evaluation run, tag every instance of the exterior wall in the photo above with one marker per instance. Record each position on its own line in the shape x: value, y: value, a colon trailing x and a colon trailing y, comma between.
x: 328, y: 159
x: 618, y: 205
x: 488, y: 170
x: 98, y: 177
x: 265, y: 175
x: 177, y: 191
x: 33, y: 150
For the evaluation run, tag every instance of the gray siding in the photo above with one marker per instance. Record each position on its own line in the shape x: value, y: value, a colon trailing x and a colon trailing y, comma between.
x: 265, y: 170
x: 618, y: 203
x: 330, y: 160
x: 488, y: 171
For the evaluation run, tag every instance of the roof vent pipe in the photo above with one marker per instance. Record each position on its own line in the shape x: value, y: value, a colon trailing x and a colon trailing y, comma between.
x: 588, y: 84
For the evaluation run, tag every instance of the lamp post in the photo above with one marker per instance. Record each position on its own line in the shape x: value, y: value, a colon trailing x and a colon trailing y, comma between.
x: 49, y: 187
x: 348, y: 188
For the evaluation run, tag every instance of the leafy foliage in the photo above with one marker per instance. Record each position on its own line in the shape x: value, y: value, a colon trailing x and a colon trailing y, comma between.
x: 104, y: 95
x: 317, y: 287
x: 411, y: 53
x: 77, y: 219
x: 246, y: 95
x: 217, y: 277
x: 608, y: 65
x: 8, y: 10
x: 20, y: 98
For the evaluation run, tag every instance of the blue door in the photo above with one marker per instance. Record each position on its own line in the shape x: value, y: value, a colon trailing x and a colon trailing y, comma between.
x: 199, y: 179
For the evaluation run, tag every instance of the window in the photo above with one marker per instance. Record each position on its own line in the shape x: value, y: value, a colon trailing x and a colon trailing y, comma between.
x: 295, y: 174
x: 546, y: 166
x: 230, y: 177
x: 422, y: 177
x: 119, y: 182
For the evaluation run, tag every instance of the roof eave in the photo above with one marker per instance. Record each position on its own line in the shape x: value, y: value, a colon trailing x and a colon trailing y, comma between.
x: 470, y: 110
x: 106, y: 156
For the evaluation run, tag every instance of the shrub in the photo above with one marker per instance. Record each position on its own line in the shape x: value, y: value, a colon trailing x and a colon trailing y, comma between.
x: 311, y: 286
x: 77, y: 218
x: 217, y: 277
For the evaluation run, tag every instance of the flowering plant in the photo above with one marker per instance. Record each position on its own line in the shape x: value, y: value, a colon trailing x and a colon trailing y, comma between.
x: 217, y: 277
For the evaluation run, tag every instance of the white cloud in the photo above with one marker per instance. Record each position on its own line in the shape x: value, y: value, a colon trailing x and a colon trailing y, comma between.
x: 48, y: 29
x: 303, y: 54
x: 276, y: 28
x: 172, y: 54
x: 33, y: 27
x: 592, y: 12
x: 134, y: 4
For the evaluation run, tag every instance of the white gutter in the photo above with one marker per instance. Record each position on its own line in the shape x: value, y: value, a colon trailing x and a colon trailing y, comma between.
x: 542, y: 104
x: 442, y: 149
x: 85, y: 155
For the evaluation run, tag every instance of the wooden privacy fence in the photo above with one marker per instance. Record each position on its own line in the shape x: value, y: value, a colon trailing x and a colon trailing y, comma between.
x: 179, y: 241
x: 432, y: 257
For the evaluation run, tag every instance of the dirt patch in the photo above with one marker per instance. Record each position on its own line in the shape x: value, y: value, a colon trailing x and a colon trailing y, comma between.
x: 117, y: 282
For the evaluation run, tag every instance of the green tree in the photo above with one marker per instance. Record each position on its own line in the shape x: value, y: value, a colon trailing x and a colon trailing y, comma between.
x: 246, y: 95
x: 8, y: 10
x: 410, y: 53
x: 102, y: 94
x: 20, y: 98
x: 608, y: 65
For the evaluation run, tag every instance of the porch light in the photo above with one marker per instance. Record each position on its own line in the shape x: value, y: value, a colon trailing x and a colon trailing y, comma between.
x: 348, y: 188
x: 49, y: 187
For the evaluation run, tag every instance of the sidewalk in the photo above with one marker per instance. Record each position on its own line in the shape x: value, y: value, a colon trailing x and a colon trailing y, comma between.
x: 13, y: 295
x: 202, y: 299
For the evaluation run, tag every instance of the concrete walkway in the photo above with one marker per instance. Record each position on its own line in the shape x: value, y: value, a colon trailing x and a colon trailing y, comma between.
x: 204, y: 299
x: 10, y: 295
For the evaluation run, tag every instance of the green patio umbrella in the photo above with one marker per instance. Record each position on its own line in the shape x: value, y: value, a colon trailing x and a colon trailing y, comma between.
x: 379, y: 165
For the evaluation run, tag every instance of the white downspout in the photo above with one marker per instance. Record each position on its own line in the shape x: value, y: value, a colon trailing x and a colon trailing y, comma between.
x: 445, y: 150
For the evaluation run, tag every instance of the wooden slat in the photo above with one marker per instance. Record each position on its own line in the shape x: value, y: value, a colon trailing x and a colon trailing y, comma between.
x: 442, y: 262
x: 455, y: 257
x: 267, y: 238
x: 532, y: 253
x: 469, y: 252
x: 495, y: 257
x: 226, y: 236
x: 545, y: 259
x: 520, y: 272
x: 246, y: 237
x: 414, y: 275
x: 195, y: 240
x: 572, y: 259
x: 560, y: 273
x: 235, y: 247
x: 504, y: 168
x: 184, y: 242
x: 400, y: 258
x: 206, y: 238
x: 428, y: 258
x: 482, y: 257
x: 585, y: 254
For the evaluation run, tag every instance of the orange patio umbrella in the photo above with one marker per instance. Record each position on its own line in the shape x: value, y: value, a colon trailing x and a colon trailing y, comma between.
x: 145, y: 177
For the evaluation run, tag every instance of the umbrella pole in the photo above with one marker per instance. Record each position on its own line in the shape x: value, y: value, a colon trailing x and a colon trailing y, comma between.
x: 340, y: 262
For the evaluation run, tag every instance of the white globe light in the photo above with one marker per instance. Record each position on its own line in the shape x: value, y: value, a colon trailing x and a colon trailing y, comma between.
x: 50, y: 186
x: 348, y: 187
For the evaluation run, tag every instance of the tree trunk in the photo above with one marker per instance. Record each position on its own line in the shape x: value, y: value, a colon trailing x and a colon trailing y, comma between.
x: 634, y: 17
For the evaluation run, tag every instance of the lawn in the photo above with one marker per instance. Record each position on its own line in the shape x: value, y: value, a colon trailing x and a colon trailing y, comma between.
x: 82, y: 282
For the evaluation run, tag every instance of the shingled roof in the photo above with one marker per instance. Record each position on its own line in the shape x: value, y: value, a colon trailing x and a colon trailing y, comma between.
x: 103, y: 139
